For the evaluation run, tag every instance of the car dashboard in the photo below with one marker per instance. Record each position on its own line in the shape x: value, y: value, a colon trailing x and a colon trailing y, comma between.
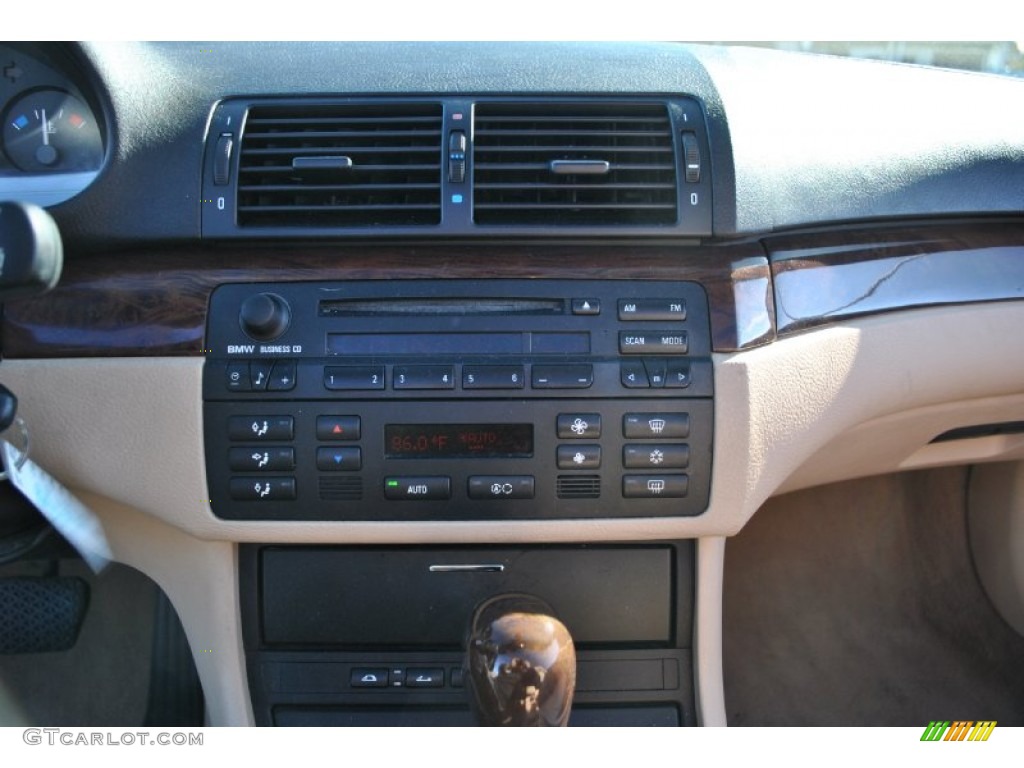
x: 353, y: 336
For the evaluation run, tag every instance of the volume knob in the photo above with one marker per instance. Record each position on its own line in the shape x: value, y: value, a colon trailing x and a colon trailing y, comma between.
x: 264, y: 316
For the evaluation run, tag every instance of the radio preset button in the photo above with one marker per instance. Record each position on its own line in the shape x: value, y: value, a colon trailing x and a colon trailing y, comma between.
x: 633, y: 374
x: 339, y: 459
x: 648, y: 425
x: 675, y: 456
x: 655, y: 486
x: 579, y: 456
x: 501, y: 487
x: 423, y: 377
x: 563, y: 376
x: 261, y: 428
x: 649, y: 310
x: 337, y: 427
x: 342, y: 377
x: 262, y: 488
x: 653, y: 342
x: 417, y: 488
x: 579, y: 426
x: 261, y: 459
x: 493, y: 377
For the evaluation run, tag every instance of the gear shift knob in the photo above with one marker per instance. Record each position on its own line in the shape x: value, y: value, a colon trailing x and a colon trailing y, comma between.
x: 521, y: 663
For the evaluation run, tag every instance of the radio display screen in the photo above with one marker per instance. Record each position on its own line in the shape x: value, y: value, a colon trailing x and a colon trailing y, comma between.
x: 498, y: 343
x: 458, y: 441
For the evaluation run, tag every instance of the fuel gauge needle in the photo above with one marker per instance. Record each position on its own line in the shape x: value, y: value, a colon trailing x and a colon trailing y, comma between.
x: 46, y: 154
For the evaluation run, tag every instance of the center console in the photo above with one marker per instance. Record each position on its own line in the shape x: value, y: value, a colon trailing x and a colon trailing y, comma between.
x: 470, y: 401
x: 465, y: 400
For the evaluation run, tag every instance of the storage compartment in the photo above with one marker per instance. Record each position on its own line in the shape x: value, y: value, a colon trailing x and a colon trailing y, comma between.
x: 358, y: 598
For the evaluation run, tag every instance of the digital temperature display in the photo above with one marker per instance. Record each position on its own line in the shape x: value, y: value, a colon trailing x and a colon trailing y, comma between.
x: 458, y: 441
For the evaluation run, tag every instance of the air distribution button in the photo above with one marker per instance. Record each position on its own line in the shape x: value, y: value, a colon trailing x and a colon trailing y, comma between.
x: 264, y: 316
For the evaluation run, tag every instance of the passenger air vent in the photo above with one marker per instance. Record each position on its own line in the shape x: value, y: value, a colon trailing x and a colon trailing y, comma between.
x: 574, y: 164
x: 340, y: 165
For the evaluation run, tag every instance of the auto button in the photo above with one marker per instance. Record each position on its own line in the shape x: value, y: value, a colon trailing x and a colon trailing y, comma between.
x: 417, y: 488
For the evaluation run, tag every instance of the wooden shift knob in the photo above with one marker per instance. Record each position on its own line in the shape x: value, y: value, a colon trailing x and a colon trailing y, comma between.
x: 521, y: 663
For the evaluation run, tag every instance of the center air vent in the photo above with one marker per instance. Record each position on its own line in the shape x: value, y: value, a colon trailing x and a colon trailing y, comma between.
x: 340, y: 165
x: 574, y: 164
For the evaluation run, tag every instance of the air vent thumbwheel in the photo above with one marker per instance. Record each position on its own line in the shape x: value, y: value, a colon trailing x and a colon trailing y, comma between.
x: 264, y: 316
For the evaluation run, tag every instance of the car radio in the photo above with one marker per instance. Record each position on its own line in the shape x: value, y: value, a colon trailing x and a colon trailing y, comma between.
x: 458, y: 400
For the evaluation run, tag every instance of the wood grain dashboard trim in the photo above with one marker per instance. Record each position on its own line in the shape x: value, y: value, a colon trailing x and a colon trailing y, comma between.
x: 133, y: 304
x: 830, y: 277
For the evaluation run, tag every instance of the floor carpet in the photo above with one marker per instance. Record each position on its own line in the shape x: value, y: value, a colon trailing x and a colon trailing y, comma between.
x: 858, y: 604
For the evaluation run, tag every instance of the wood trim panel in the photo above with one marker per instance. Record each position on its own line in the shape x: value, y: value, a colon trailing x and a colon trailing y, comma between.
x: 154, y: 303
x: 826, y: 278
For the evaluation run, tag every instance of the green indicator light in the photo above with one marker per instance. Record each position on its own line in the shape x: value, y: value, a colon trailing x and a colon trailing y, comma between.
x: 392, y: 483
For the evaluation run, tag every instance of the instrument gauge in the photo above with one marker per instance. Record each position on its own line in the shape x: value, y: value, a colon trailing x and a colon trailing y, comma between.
x: 51, y: 131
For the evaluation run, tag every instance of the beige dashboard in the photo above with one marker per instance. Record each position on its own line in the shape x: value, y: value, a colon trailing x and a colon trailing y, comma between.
x: 858, y: 398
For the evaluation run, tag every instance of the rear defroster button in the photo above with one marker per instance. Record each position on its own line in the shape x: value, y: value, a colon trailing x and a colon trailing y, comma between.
x: 654, y: 486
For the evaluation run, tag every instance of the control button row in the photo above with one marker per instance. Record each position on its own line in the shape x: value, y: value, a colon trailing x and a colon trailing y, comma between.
x: 420, y: 377
x: 261, y: 376
x: 641, y: 374
x: 432, y: 488
x: 385, y: 677
x: 653, y: 456
x: 651, y: 310
x: 653, y: 342
x: 587, y: 426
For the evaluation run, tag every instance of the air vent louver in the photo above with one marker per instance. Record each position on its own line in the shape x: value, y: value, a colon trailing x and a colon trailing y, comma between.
x: 574, y: 164
x: 341, y: 165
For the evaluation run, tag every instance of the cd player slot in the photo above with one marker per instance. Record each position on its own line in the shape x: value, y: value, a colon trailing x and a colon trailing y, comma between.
x: 453, y: 307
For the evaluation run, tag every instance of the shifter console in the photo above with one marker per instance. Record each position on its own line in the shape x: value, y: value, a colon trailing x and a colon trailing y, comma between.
x: 378, y: 635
